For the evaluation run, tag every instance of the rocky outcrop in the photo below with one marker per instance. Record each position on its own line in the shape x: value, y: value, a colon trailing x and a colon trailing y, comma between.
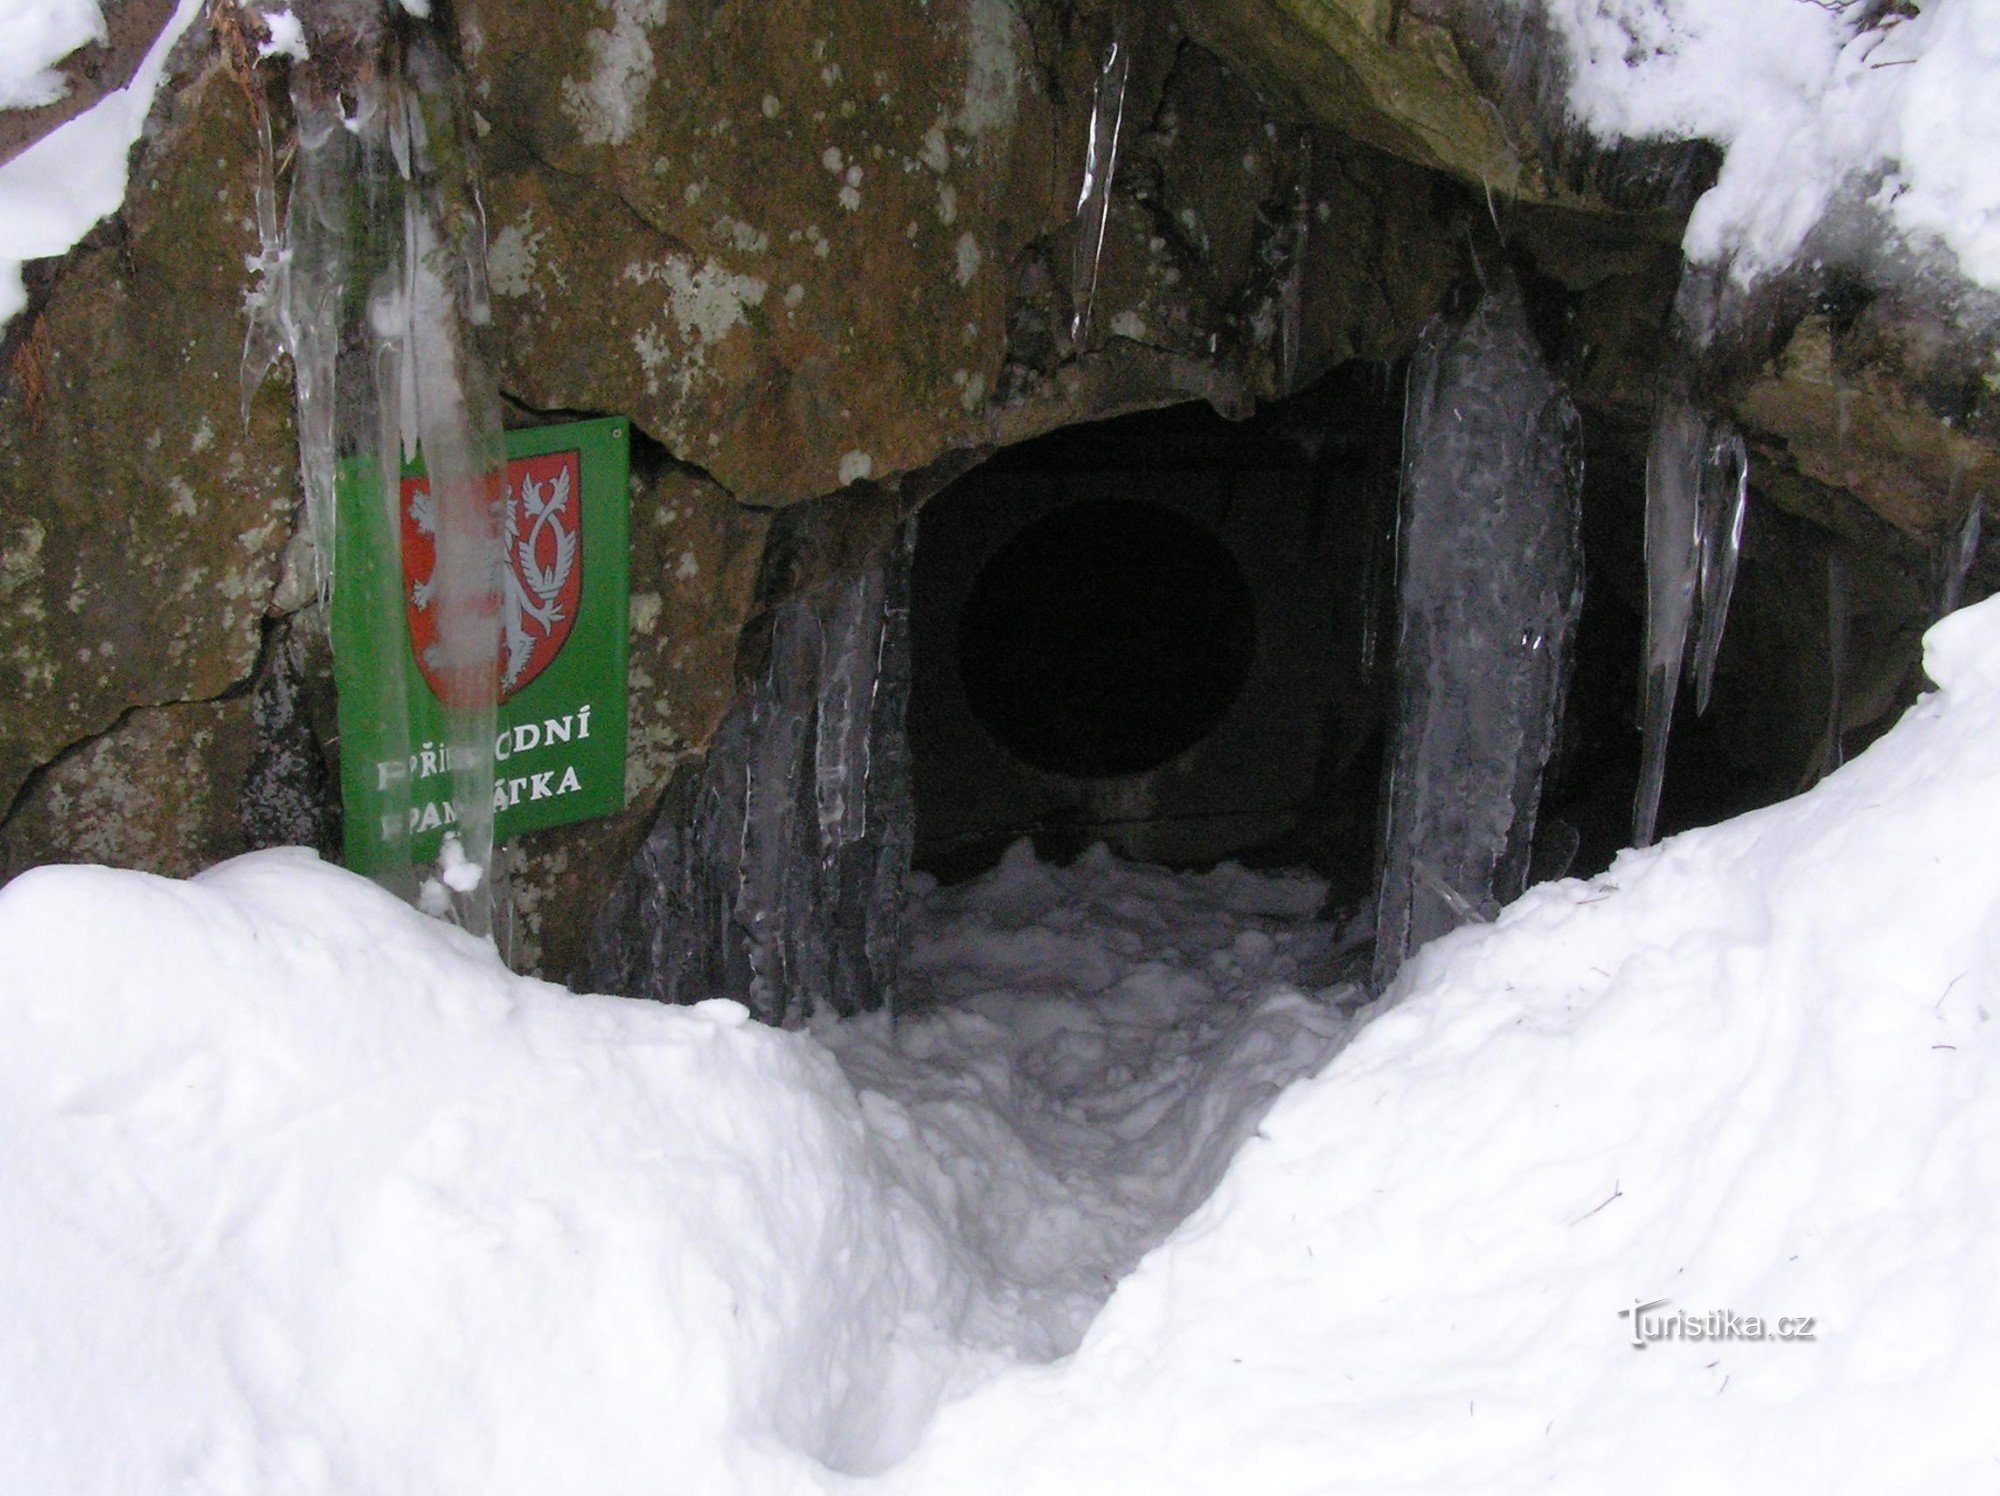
x: 141, y: 520
x: 815, y: 249
x: 1463, y: 86
x: 778, y: 236
x: 1888, y: 406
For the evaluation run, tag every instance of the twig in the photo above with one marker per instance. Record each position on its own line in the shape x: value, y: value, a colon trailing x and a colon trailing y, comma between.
x: 1616, y: 1192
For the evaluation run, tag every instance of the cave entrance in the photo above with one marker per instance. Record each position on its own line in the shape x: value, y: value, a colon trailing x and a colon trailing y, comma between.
x: 1158, y: 632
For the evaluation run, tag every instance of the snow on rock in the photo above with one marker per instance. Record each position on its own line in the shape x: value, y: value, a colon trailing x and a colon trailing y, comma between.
x: 58, y: 188
x: 1817, y: 103
x: 34, y: 36
x: 1754, y: 1070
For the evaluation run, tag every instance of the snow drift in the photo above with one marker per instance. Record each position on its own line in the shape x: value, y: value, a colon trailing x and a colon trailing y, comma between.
x: 1753, y: 1070
x: 306, y: 1193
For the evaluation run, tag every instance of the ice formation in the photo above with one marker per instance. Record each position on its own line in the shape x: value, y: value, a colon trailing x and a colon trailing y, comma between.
x: 1100, y: 168
x: 1839, y: 616
x: 775, y: 870
x: 1296, y: 235
x: 1956, y: 557
x: 375, y: 290
x: 1697, y: 499
x: 1491, y: 582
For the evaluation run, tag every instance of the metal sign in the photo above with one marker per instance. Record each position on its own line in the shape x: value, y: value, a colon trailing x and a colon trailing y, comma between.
x: 559, y: 745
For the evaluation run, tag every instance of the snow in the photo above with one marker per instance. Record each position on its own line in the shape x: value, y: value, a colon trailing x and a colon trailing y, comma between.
x: 34, y: 36
x: 1753, y: 1069
x: 1813, y: 112
x: 55, y: 191
x: 307, y: 1193
x: 319, y: 1197
x: 287, y: 37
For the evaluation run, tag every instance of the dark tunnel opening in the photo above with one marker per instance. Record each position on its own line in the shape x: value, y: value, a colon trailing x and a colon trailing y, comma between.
x: 1156, y: 631
x: 1106, y: 638
x: 1175, y: 634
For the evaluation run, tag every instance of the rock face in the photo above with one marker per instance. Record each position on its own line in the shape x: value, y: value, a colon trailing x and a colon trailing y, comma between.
x: 778, y: 236
x: 815, y: 248
x: 141, y: 521
x: 1885, y: 408
x: 1464, y: 86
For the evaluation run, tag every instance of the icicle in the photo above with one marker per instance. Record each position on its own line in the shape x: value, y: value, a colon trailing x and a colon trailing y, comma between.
x: 850, y: 670
x: 1378, y: 581
x: 1491, y: 585
x: 438, y: 402
x: 1463, y: 910
x: 1674, y: 463
x: 1838, y: 608
x: 1956, y: 557
x: 1697, y: 498
x: 1292, y: 298
x: 314, y: 270
x: 1725, y: 501
x: 263, y: 305
x: 892, y: 829
x: 777, y: 871
x: 376, y: 293
x: 780, y: 719
x: 1382, y: 524
x: 1100, y: 167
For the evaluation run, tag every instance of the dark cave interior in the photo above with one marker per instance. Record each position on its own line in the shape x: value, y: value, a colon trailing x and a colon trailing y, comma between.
x: 1174, y: 633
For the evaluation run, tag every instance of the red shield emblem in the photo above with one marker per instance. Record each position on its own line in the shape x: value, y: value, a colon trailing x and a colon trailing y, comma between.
x: 541, y: 583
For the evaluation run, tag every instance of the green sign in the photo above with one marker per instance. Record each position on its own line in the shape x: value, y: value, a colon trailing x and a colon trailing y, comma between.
x: 559, y: 748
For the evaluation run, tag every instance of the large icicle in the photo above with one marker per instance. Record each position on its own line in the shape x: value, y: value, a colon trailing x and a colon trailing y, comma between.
x: 1839, y: 613
x: 1673, y: 569
x: 777, y: 868
x: 1697, y: 499
x: 1491, y: 581
x: 1100, y: 167
x: 1725, y: 504
x: 1292, y: 290
x: 376, y: 293
x: 1956, y: 556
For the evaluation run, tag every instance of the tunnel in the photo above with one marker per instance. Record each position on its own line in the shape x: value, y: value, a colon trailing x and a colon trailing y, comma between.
x: 1153, y: 631
x: 1174, y: 634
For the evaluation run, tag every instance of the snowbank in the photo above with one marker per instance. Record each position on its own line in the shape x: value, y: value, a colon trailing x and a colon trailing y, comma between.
x: 1812, y: 111
x: 1752, y: 1071
x: 306, y: 1192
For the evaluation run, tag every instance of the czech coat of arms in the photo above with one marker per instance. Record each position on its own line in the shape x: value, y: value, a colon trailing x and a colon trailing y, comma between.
x: 541, y: 580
